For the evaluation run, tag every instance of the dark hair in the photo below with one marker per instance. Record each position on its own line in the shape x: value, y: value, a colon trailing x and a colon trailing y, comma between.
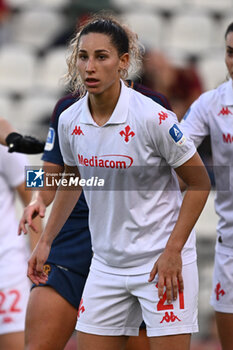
x: 229, y: 29
x: 109, y: 27
x: 123, y: 39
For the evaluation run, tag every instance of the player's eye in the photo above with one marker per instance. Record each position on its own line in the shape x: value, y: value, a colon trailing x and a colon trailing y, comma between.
x: 82, y: 57
x: 229, y: 52
x: 101, y: 57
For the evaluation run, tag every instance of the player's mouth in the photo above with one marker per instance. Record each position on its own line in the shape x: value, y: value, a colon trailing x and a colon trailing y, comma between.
x: 91, y: 82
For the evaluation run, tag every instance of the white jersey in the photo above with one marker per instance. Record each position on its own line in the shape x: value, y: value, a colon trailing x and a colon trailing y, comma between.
x: 13, y: 248
x: 130, y: 224
x: 212, y: 114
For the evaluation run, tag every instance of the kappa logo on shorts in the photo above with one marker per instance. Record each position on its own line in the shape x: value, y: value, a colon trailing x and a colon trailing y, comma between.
x: 219, y: 291
x: 77, y: 131
x: 47, y: 269
x: 170, y: 318
x: 81, y: 308
x: 127, y: 134
x: 7, y: 319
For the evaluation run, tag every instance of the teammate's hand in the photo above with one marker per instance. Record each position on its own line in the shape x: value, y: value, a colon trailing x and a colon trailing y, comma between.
x: 24, y: 144
x: 36, y: 263
x: 169, y: 270
x: 36, y: 207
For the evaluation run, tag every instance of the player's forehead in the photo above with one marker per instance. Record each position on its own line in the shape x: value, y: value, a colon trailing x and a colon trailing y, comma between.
x: 96, y: 42
x: 229, y: 40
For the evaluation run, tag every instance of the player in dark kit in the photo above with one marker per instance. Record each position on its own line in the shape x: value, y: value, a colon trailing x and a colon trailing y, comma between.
x: 52, y: 311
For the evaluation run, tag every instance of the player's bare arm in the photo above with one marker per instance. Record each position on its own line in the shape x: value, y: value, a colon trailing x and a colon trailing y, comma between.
x: 169, y: 264
x: 5, y: 130
x: 64, y: 203
x: 40, y: 200
x: 25, y: 197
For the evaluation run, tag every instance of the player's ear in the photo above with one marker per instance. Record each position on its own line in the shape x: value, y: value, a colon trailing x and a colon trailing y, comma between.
x: 124, y: 61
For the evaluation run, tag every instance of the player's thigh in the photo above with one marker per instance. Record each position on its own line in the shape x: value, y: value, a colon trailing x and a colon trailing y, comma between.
x: 225, y: 327
x: 12, y: 341
x: 50, y: 320
x: 138, y: 343
x: 174, y: 342
x: 98, y: 342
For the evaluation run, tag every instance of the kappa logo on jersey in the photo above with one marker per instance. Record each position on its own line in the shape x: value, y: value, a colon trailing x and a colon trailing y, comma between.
x: 162, y: 116
x: 127, y: 134
x: 77, y: 131
x: 177, y: 135
x: 34, y: 178
x: 225, y: 111
x: 170, y: 318
x: 219, y: 291
x: 117, y: 161
x: 227, y: 138
x: 81, y: 308
x: 50, y: 140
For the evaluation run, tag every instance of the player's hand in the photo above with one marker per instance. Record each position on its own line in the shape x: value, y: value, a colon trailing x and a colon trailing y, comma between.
x: 34, y: 208
x: 169, y: 270
x: 24, y: 144
x: 36, y: 263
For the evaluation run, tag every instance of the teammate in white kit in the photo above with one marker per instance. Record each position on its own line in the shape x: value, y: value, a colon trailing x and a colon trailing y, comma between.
x: 14, y: 286
x: 144, y: 263
x: 212, y: 114
x: 14, y: 251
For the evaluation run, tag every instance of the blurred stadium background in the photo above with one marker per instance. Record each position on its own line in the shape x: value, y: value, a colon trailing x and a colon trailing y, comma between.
x: 33, y: 48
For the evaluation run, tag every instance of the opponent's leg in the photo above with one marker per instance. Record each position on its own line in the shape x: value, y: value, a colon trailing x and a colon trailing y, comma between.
x: 50, y: 320
x: 225, y: 329
x: 12, y: 341
x: 174, y: 342
x: 98, y: 342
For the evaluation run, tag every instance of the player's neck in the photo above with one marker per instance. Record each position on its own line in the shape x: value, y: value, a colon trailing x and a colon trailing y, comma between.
x: 102, y: 106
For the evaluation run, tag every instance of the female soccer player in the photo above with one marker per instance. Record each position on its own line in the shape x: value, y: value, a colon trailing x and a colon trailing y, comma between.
x: 212, y: 114
x: 70, y: 255
x: 14, y: 286
x: 144, y: 250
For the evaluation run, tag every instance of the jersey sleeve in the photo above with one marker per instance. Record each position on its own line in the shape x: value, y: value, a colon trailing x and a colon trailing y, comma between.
x: 195, y: 121
x: 169, y: 139
x: 14, y: 167
x: 52, y: 152
x: 64, y: 142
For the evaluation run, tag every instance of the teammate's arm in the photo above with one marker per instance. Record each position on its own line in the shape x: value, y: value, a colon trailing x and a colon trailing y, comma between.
x: 17, y: 142
x: 5, y: 130
x: 25, y: 197
x: 169, y: 264
x: 40, y: 199
x: 63, y: 204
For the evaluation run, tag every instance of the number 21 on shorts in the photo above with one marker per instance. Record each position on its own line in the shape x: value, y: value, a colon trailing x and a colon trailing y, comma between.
x: 161, y: 304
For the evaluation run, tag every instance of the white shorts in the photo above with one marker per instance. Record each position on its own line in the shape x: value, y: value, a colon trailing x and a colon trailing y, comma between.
x: 13, y: 303
x: 222, y: 293
x: 115, y: 305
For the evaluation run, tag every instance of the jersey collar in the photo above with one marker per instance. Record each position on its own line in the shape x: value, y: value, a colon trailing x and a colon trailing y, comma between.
x: 229, y: 93
x: 119, y: 114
